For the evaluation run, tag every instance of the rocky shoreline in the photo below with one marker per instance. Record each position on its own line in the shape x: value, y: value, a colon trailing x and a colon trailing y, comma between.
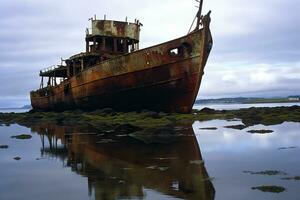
x: 108, y: 119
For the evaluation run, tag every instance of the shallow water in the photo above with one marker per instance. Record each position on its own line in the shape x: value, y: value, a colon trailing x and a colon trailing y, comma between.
x: 228, y: 153
x: 15, y: 110
x: 67, y: 163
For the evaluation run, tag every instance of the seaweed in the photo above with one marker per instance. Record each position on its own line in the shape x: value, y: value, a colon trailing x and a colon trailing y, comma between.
x: 269, y: 188
x: 163, y: 168
x: 4, y: 146
x: 285, y: 148
x: 17, y: 158
x: 161, y: 135
x: 238, y: 127
x: 262, y: 131
x: 209, y: 128
x: 296, y: 178
x: 22, y: 137
x: 108, y: 119
x: 266, y: 172
x: 197, y: 162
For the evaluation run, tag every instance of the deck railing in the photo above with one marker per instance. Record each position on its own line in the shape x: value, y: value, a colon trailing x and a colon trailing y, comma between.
x: 51, y: 68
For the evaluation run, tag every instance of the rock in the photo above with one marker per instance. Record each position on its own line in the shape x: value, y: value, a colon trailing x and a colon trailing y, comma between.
x: 163, y: 168
x: 151, y: 114
x: 126, y: 168
x: 238, y: 127
x: 285, y: 148
x: 151, y: 167
x: 122, y: 135
x: 266, y: 172
x: 162, y: 135
x: 22, y: 137
x: 196, y: 162
x: 105, y: 141
x: 209, y: 128
x: 271, y: 188
x: 17, y: 158
x: 207, y: 110
x: 260, y: 131
x: 124, y: 129
x: 296, y: 178
x: 105, y: 111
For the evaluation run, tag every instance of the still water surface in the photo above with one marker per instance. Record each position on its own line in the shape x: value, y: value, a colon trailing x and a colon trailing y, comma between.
x: 15, y: 110
x: 65, y: 163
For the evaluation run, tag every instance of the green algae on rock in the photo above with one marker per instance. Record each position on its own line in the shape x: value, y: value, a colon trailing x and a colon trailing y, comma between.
x: 17, y: 158
x: 296, y: 178
x: 238, y: 127
x: 4, y: 146
x: 22, y: 137
x: 209, y: 128
x: 107, y: 119
x: 268, y: 116
x: 266, y: 172
x: 269, y: 188
x: 285, y: 148
x: 163, y: 168
x: 197, y: 162
x: 162, y: 135
x: 262, y: 131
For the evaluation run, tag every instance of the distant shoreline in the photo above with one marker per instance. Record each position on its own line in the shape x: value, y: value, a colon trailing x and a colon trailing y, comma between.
x: 263, y: 102
x: 250, y: 100
x: 198, y: 102
x: 13, y: 108
x: 266, y: 102
x: 28, y: 107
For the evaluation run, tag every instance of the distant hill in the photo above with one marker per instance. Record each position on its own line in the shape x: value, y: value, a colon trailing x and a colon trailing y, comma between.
x: 223, y: 100
x: 294, y: 96
x: 26, y: 107
x: 23, y: 107
x: 244, y: 100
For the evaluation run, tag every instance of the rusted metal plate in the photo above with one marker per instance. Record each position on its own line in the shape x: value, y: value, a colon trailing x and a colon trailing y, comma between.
x: 109, y: 28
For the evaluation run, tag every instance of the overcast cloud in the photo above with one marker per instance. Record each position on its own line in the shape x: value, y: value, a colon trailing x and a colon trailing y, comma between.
x: 256, y: 43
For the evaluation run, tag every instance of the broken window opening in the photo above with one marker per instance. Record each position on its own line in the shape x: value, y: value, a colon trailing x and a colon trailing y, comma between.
x: 109, y: 44
x: 174, y: 52
x: 184, y: 50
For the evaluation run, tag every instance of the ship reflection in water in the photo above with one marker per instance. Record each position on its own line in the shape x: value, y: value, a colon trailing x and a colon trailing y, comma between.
x: 122, y: 167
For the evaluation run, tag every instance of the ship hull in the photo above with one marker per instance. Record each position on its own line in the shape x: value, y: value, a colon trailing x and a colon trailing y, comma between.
x: 164, y: 77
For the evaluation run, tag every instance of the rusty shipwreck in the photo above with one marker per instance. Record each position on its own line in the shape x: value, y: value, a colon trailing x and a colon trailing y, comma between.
x: 114, y: 73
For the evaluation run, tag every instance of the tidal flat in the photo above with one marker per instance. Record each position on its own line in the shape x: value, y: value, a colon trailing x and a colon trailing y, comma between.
x: 151, y: 155
x: 108, y: 119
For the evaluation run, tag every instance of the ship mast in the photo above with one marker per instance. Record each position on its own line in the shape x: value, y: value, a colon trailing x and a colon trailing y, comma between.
x: 199, y: 13
x: 198, y: 16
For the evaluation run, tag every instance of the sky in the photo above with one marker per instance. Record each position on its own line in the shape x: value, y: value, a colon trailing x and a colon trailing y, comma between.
x: 256, y: 48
